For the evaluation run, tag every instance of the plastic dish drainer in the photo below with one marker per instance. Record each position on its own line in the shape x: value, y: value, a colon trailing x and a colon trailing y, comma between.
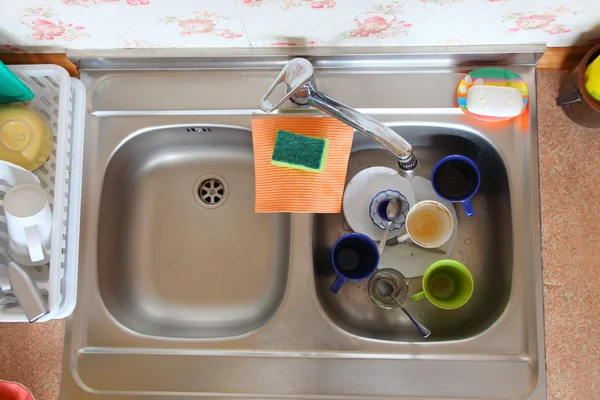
x: 61, y: 100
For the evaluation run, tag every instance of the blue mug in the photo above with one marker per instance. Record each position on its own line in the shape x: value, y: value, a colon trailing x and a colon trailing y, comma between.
x: 456, y: 178
x: 354, y: 258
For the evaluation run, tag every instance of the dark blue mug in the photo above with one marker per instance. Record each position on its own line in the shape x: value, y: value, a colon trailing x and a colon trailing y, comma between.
x: 354, y: 258
x: 456, y: 178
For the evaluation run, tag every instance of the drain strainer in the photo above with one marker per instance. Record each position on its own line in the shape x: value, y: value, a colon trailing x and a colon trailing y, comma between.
x: 211, y: 191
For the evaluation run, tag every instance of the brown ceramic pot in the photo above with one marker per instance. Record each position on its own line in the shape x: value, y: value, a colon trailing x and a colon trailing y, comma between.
x: 574, y: 99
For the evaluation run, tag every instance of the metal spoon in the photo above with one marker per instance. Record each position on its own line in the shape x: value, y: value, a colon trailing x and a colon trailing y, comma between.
x: 392, y: 211
x: 385, y: 289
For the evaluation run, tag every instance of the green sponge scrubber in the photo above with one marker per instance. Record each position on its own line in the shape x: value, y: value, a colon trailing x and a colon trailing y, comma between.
x: 301, y: 152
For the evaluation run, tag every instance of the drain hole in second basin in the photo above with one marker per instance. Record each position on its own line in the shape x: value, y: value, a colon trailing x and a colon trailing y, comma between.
x: 211, y: 191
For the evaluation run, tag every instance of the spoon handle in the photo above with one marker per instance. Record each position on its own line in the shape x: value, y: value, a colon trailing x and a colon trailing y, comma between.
x: 422, y: 330
x: 384, y: 238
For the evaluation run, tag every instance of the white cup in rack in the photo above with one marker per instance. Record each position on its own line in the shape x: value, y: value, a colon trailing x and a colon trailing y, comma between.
x: 29, y: 223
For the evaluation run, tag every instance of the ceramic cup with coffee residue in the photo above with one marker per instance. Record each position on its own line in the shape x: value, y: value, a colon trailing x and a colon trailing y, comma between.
x: 428, y: 224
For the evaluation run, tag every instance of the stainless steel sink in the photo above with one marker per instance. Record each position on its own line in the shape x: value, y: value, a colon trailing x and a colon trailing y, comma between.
x: 181, y: 252
x: 186, y: 293
x: 490, y: 264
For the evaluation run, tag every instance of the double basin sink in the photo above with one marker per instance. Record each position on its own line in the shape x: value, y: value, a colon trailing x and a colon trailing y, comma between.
x: 186, y: 292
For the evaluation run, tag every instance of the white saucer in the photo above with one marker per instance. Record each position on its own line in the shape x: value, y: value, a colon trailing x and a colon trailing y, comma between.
x: 412, y: 261
x: 360, y: 192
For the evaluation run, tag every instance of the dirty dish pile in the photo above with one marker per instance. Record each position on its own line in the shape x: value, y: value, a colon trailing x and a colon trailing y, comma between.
x: 416, y: 214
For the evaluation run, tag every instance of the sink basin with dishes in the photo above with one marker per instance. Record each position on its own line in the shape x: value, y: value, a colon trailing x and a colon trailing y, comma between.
x: 477, y: 246
x: 185, y: 292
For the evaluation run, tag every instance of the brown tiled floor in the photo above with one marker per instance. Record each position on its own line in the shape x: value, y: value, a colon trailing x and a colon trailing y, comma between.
x: 570, y: 195
x: 32, y: 354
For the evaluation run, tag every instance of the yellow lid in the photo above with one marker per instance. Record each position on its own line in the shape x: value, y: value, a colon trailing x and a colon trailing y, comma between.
x: 25, y: 136
x: 16, y: 135
x: 592, y: 78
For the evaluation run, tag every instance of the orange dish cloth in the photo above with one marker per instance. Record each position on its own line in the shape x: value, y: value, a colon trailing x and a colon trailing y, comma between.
x: 283, y: 189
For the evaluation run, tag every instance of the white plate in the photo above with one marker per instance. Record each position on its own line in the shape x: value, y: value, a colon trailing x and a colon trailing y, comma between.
x: 360, y: 192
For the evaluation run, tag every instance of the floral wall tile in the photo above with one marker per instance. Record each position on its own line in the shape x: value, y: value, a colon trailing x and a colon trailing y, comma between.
x: 380, y: 21
x: 547, y: 20
x: 202, y: 22
x: 293, y: 22
x: 56, y: 25
x: 45, y: 25
x: 93, y: 3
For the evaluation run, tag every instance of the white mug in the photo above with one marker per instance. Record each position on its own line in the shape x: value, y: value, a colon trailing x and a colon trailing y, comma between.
x: 29, y: 223
x: 428, y: 224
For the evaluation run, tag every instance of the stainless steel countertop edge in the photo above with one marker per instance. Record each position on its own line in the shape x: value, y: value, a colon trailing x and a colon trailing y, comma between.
x: 441, y: 57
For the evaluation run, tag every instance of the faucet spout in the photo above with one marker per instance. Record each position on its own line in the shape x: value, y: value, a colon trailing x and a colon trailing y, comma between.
x: 382, y: 134
x: 298, y: 73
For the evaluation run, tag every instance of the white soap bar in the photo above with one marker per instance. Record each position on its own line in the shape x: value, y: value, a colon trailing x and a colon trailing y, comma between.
x: 495, y: 101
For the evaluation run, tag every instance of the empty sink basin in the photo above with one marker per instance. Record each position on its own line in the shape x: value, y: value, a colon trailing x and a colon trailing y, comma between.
x: 181, y: 251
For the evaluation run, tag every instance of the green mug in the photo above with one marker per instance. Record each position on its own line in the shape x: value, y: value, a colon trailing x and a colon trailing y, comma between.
x: 447, y: 284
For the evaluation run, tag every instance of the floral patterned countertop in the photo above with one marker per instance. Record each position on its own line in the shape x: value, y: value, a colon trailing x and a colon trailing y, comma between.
x: 56, y: 25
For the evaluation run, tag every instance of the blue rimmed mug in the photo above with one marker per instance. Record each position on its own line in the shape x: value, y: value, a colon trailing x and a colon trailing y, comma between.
x: 456, y: 178
x: 354, y: 257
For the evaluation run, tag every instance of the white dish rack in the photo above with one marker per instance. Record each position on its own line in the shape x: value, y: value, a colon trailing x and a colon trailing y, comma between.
x: 61, y: 100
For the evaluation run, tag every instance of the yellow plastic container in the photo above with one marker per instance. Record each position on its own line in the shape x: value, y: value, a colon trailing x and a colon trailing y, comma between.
x: 25, y: 137
x: 592, y: 78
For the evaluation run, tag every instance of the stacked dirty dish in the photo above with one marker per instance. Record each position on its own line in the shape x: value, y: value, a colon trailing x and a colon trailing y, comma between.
x: 418, y: 213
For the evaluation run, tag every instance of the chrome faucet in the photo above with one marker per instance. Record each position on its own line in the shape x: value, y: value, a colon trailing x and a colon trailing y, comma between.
x: 297, y: 75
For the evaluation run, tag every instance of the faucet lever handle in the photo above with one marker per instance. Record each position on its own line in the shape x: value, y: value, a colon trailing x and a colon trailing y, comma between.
x: 296, y: 73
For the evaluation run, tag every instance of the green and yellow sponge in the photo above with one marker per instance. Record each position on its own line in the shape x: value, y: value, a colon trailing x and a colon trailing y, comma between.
x: 301, y: 152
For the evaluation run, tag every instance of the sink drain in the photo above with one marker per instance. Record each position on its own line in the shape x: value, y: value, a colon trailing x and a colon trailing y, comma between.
x: 211, y: 191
